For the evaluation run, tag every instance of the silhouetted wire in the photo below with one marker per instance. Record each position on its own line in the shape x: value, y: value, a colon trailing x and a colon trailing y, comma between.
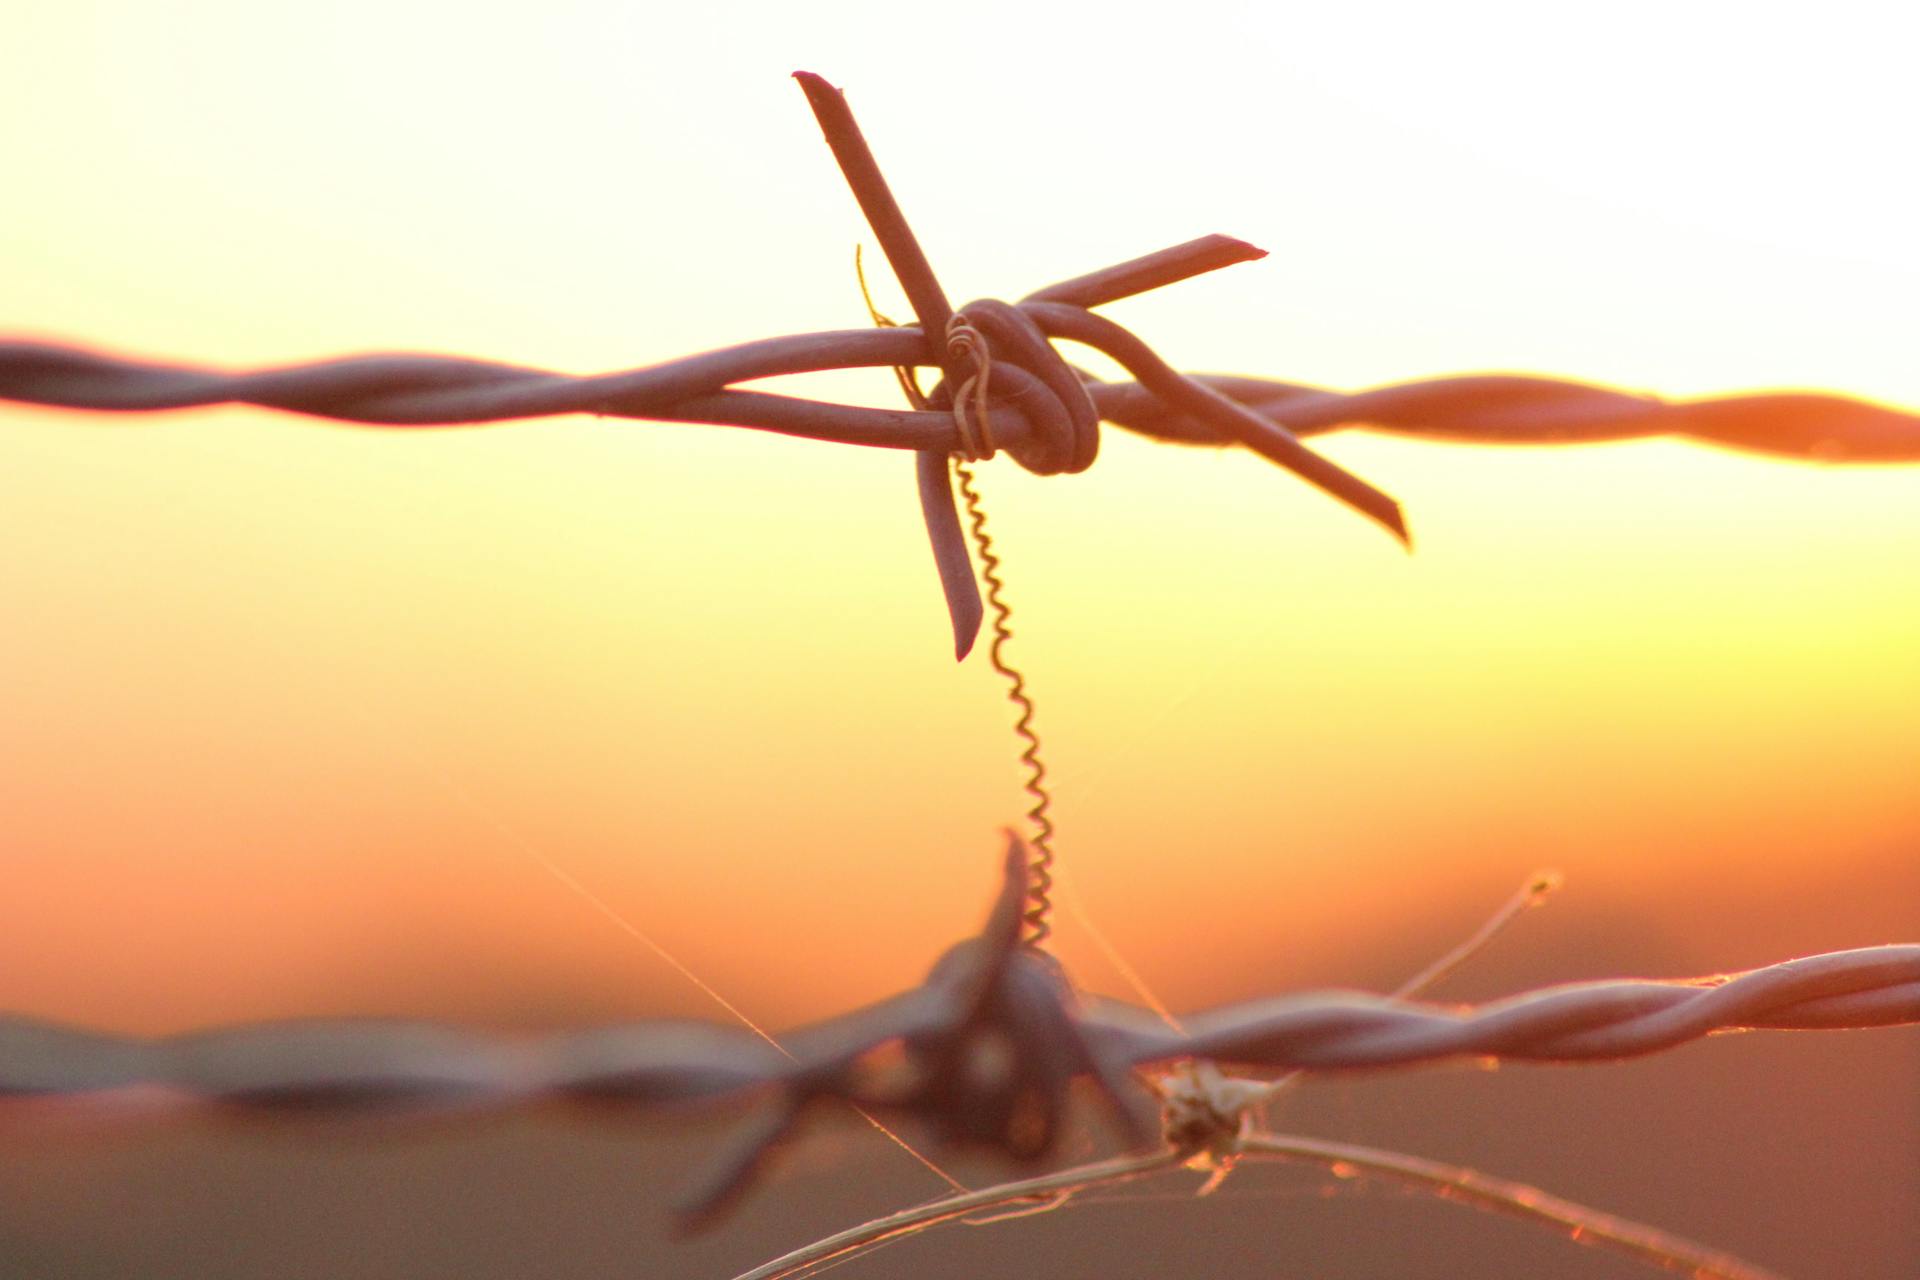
x: 1046, y: 416
x: 374, y: 1063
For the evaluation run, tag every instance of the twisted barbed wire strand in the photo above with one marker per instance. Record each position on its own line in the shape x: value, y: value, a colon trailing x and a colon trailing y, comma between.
x: 413, y: 390
x: 1211, y: 1122
x: 360, y: 1063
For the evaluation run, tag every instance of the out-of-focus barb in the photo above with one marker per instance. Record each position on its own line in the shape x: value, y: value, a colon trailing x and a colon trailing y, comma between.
x: 986, y: 1047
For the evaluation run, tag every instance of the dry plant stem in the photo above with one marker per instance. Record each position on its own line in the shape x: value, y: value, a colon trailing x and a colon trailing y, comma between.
x: 1482, y: 1191
x: 1525, y: 898
x: 1448, y: 1182
x: 1039, y: 925
x: 932, y: 310
x: 855, y: 1240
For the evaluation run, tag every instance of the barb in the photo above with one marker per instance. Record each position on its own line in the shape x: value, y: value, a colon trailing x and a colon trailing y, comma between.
x: 931, y: 308
x: 1040, y: 868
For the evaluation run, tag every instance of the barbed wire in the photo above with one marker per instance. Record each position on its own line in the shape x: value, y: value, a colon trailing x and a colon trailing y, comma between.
x: 348, y: 1063
x: 1042, y: 411
x: 417, y: 390
x: 986, y: 1048
x: 351, y: 1063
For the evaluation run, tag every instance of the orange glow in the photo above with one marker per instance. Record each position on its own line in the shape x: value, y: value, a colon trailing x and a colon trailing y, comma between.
x: 284, y: 702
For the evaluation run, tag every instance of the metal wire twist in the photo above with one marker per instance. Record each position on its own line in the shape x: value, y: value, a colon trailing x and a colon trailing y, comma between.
x: 350, y: 1064
x: 414, y: 390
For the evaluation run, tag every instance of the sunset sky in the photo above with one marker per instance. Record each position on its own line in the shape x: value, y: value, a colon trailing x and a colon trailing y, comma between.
x: 294, y: 717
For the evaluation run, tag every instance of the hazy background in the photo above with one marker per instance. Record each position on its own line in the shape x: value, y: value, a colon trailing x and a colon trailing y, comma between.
x: 290, y: 713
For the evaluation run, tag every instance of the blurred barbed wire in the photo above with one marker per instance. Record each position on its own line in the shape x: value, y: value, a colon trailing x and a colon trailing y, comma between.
x: 985, y: 1049
x: 350, y: 1063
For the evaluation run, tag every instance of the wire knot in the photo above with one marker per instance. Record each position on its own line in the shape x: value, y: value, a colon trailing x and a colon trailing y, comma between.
x: 964, y: 342
x: 1015, y: 364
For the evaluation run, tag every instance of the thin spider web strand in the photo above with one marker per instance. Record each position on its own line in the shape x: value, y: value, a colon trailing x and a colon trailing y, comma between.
x: 1524, y: 899
x: 627, y: 926
x: 1528, y: 896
